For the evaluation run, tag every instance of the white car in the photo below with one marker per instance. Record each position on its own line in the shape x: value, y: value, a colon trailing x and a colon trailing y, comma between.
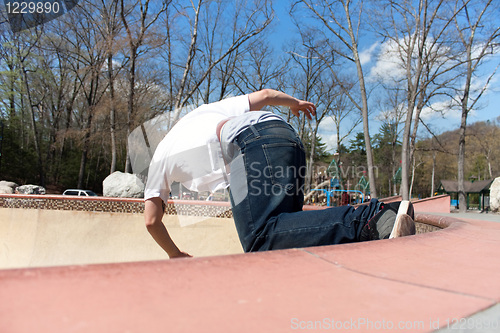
x: 80, y: 193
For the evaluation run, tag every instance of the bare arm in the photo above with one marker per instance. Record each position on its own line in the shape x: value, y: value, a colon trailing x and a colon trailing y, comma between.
x: 264, y: 97
x: 153, y: 214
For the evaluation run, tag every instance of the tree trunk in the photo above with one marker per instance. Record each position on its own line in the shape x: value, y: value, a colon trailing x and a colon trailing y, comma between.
x: 405, y: 155
x: 311, y: 159
x: 187, y: 67
x: 364, y: 110
x: 85, y: 150
x: 130, y: 111
x: 462, y: 199
x: 36, y: 138
x: 433, y: 181
x: 394, y: 170
x: 413, y: 138
x: 12, y: 96
x: 112, y: 113
x: 489, y: 168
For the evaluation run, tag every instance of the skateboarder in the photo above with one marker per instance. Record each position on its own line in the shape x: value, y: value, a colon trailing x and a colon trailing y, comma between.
x: 260, y: 156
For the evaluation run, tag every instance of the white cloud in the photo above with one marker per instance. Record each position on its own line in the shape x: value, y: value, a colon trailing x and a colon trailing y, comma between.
x: 331, y: 142
x: 491, y: 53
x: 439, y: 110
x: 327, y: 132
x: 388, y: 65
x: 327, y: 124
x: 366, y: 55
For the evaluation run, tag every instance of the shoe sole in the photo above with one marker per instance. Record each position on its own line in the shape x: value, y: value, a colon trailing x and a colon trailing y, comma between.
x: 404, y: 224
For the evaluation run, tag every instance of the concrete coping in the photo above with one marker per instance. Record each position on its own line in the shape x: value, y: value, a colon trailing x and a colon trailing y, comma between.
x: 436, y: 220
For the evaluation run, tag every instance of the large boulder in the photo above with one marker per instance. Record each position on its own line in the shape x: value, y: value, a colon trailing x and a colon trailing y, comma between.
x: 495, y: 195
x: 123, y: 185
x: 7, y: 187
x: 30, y: 189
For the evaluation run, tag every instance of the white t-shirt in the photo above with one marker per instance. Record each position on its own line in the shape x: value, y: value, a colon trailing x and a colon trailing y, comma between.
x: 190, y: 152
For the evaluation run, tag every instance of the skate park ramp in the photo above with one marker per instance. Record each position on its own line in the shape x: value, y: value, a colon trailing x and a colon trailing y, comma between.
x: 37, y: 237
x: 54, y: 230
x: 445, y: 279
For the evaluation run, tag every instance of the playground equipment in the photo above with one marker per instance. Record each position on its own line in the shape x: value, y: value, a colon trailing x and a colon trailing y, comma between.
x: 397, y: 177
x: 333, y: 172
x: 336, y: 184
x: 329, y: 194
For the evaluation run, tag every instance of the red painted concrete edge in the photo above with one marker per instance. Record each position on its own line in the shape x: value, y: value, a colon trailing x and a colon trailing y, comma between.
x: 437, y: 204
x: 178, y: 202
x: 31, y: 278
x: 431, y: 198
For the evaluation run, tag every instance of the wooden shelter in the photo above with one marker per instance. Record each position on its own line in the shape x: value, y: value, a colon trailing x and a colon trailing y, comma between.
x: 479, y: 187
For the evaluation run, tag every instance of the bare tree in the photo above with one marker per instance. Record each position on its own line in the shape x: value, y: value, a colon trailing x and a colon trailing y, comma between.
x: 307, y: 83
x: 479, y: 37
x: 24, y: 51
x: 486, y: 137
x: 259, y: 68
x: 310, y: 68
x: 393, y: 112
x: 246, y: 23
x: 110, y: 12
x: 345, y: 117
x: 342, y: 20
x: 87, y: 53
x: 59, y: 54
x: 136, y: 37
x: 418, y: 35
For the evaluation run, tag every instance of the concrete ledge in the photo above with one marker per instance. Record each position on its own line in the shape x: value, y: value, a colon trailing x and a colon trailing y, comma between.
x: 440, y: 222
x: 418, y: 283
x: 437, y: 204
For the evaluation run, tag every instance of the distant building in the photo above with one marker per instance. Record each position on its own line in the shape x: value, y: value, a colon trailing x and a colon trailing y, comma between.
x: 479, y: 189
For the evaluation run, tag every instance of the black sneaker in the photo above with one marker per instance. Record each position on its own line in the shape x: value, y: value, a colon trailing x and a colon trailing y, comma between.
x: 395, y: 219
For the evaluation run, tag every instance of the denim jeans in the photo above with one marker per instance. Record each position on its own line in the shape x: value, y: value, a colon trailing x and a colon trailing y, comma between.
x: 266, y: 191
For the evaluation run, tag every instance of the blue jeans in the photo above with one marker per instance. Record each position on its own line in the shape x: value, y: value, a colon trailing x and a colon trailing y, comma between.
x: 267, y: 179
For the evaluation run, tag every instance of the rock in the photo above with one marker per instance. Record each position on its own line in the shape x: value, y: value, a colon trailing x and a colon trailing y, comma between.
x: 495, y: 195
x: 30, y: 189
x: 123, y: 185
x: 7, y: 187
x: 6, y: 190
x: 7, y: 183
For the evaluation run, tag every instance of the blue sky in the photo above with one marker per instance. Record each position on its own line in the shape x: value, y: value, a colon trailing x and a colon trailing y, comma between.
x: 489, y: 105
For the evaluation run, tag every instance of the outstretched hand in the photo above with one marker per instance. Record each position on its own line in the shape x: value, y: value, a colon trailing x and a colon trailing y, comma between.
x: 261, y: 98
x: 308, y: 108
